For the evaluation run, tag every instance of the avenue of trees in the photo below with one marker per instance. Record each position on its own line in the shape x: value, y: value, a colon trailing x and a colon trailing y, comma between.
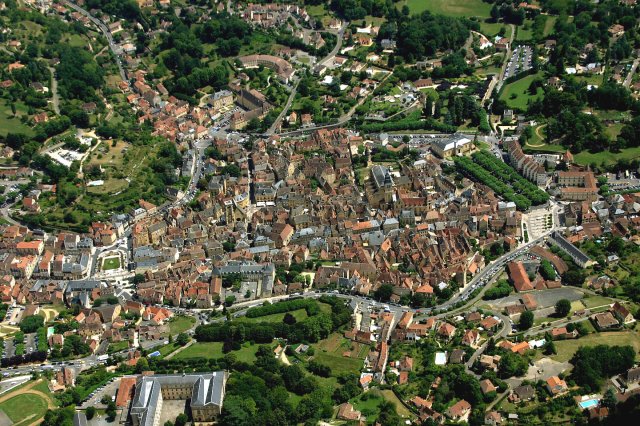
x: 503, y: 179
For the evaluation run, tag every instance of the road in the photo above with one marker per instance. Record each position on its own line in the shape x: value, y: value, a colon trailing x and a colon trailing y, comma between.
x: 506, y: 58
x: 283, y: 113
x: 325, y: 60
x: 629, y: 78
x: 336, y: 48
x: 112, y: 45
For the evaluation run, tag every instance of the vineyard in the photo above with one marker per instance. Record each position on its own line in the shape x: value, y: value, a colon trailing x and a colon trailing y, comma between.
x: 503, y: 179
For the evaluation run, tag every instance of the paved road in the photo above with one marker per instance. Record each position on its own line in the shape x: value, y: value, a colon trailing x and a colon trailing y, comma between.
x: 503, y: 70
x: 634, y: 67
x: 283, y: 113
x: 325, y: 60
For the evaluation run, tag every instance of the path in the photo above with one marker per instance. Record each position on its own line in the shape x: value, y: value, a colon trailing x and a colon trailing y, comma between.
x: 283, y: 358
x: 55, y: 99
x: 180, y: 349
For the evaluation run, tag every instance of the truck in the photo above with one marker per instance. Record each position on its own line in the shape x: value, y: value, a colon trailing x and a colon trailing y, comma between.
x: 103, y: 357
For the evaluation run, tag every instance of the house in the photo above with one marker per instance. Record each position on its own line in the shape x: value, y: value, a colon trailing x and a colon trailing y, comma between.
x: 605, y: 320
x: 633, y: 375
x: 459, y: 412
x: 489, y: 362
x: 598, y: 413
x: 346, y: 412
x: 522, y: 393
x: 621, y: 313
x: 471, y: 338
x: 486, y: 386
x: 559, y: 333
x: 556, y: 386
x: 446, y: 330
x: 492, y: 418
x: 520, y: 348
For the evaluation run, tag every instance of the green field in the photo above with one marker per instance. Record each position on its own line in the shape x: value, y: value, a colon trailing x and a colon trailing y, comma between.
x: 214, y: 350
x: 24, y: 409
x: 111, y: 263
x: 516, y: 94
x: 525, y: 32
x: 459, y: 8
x: 593, y: 301
x: 180, y: 324
x: 607, y: 157
x: 299, y: 315
x: 117, y: 347
x: 566, y: 348
x: 11, y: 124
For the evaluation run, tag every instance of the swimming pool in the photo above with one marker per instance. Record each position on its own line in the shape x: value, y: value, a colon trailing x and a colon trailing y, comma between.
x: 588, y: 403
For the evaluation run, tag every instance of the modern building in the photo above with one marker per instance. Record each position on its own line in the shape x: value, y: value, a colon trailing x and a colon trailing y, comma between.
x: 205, y: 390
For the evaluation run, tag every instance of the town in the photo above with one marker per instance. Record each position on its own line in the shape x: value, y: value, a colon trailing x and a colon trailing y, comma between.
x: 308, y: 212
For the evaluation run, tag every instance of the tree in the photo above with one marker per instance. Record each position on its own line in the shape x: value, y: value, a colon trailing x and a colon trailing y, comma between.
x: 609, y: 399
x: 90, y: 412
x: 383, y: 293
x: 31, y: 324
x: 573, y: 277
x: 289, y: 319
x: 142, y: 365
x: 563, y: 307
x: 526, y: 320
x: 181, y: 420
x: 547, y: 271
x: 182, y: 339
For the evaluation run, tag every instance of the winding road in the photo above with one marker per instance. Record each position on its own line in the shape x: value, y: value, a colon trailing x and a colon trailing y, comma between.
x: 107, y: 34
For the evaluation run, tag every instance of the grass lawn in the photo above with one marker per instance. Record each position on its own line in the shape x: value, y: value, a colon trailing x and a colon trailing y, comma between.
x: 214, y: 350
x: 180, y: 324
x: 24, y: 408
x: 491, y: 29
x: 11, y: 124
x: 593, y: 301
x: 400, y: 407
x: 117, y: 347
x: 338, y: 363
x: 607, y: 157
x: 525, y: 32
x: 516, y: 94
x: 111, y: 263
x: 566, y: 348
x: 459, y: 8
x: 299, y: 315
x: 167, y: 349
x: 545, y: 147
x: 549, y: 25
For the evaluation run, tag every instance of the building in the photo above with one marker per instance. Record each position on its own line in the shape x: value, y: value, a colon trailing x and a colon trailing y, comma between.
x: 452, y: 146
x: 281, y: 67
x: 221, y: 99
x: 459, y: 412
x: 578, y: 186
x: 556, y: 385
x: 519, y: 277
x: 205, y: 390
x: 525, y: 164
x: 576, y: 254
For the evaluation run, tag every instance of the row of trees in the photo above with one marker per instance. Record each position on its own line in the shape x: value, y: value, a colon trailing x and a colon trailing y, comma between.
x: 310, y: 305
x: 502, y: 179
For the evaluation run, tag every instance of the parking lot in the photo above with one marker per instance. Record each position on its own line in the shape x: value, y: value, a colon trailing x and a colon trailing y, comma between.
x: 520, y: 61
